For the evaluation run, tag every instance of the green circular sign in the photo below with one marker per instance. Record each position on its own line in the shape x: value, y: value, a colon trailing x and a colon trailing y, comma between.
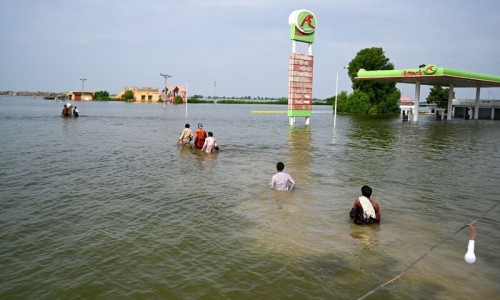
x: 306, y: 22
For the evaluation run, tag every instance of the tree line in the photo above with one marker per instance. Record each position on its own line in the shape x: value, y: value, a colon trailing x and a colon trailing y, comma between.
x: 368, y: 96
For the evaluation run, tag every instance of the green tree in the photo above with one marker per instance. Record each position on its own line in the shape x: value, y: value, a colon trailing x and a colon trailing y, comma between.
x: 356, y: 103
x: 102, y: 95
x: 178, y: 100
x: 439, y: 96
x: 194, y: 98
x: 128, y: 95
x: 383, y: 97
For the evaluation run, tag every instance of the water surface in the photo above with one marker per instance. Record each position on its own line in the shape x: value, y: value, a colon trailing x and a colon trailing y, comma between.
x: 108, y: 206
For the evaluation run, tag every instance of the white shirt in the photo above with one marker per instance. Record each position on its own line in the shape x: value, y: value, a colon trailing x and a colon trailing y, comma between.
x: 210, y: 144
x: 282, y: 181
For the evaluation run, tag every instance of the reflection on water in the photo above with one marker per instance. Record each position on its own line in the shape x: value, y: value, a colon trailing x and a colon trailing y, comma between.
x: 373, y: 132
x: 107, y: 205
x: 299, y: 151
x: 202, y: 160
x: 366, y: 234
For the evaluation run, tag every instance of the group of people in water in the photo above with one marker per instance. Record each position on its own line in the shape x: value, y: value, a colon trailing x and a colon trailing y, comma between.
x: 67, y: 110
x: 202, y: 140
x: 364, y: 210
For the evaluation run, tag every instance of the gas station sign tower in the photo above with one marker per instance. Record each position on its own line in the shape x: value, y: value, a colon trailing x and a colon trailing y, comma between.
x: 300, y: 72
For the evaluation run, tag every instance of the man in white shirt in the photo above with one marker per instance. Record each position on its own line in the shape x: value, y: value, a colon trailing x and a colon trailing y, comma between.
x: 282, y: 181
x: 210, y: 144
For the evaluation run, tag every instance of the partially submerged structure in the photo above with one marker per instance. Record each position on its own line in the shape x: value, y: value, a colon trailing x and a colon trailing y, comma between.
x: 300, y: 71
x: 432, y: 75
x: 79, y: 96
x: 141, y: 94
x: 169, y: 93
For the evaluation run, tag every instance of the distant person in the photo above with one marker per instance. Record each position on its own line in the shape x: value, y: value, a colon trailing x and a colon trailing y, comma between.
x: 365, y: 210
x: 65, y: 111
x: 210, y: 144
x: 282, y: 181
x: 75, y: 112
x: 199, y: 136
x: 186, y: 135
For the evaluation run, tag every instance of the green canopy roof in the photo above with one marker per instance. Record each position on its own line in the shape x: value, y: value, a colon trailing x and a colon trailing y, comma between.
x: 432, y: 75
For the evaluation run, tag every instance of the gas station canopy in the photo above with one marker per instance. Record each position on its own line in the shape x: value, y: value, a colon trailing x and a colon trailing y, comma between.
x: 432, y: 75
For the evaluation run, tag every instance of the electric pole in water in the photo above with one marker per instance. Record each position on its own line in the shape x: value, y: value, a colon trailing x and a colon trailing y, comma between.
x: 83, y: 87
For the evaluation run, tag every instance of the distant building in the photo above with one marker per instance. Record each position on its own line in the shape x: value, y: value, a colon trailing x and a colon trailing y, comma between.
x: 407, y: 106
x: 487, y: 109
x: 142, y: 94
x: 169, y: 93
x: 78, y: 96
x: 462, y: 108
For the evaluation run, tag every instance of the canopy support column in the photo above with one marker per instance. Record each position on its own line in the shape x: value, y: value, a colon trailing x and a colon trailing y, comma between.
x: 476, y: 106
x: 450, y: 102
x: 417, y: 100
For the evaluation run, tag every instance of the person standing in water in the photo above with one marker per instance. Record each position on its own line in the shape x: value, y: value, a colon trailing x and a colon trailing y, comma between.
x: 199, y: 136
x: 186, y: 135
x: 65, y: 111
x: 210, y: 144
x: 75, y: 112
x: 282, y: 181
x: 365, y: 210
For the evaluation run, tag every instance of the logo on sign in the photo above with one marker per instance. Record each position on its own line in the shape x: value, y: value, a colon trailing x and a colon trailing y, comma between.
x: 306, y: 22
x: 303, y: 25
x: 303, y: 20
x: 430, y: 69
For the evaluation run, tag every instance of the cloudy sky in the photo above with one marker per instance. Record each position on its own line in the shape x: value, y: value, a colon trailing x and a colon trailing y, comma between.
x: 242, y: 45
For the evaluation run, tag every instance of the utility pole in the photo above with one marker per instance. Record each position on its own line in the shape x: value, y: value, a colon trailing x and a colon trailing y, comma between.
x: 83, y: 87
x: 215, y: 88
x: 336, y: 95
x: 166, y: 76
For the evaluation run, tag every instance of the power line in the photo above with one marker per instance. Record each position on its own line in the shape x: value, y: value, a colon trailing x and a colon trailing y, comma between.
x: 425, y: 254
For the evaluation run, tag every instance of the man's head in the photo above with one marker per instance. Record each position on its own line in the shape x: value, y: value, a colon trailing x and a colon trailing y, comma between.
x: 280, y: 166
x: 210, y: 133
x: 366, y: 191
x: 200, y: 125
x: 187, y: 125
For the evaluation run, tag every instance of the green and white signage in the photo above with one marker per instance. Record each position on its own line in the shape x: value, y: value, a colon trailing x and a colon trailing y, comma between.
x: 302, y: 25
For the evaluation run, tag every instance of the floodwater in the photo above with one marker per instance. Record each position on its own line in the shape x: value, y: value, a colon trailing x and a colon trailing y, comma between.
x: 107, y: 206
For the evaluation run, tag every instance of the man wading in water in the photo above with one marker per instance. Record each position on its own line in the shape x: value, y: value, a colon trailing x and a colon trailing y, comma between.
x: 199, y: 136
x: 365, y: 210
x: 186, y: 135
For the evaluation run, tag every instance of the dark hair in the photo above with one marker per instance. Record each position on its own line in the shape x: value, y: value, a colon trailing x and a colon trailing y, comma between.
x: 210, y: 133
x: 280, y: 166
x: 187, y: 125
x: 366, y: 191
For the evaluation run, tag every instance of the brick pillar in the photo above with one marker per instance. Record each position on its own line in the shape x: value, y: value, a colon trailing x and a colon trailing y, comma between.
x: 300, y: 79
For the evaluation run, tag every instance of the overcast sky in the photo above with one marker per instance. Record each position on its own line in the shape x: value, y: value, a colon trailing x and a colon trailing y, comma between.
x: 242, y: 45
